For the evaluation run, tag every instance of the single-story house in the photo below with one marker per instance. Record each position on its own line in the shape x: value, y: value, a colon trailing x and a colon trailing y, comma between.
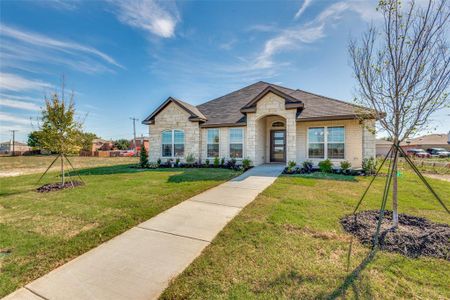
x: 143, y: 140
x: 435, y: 140
x: 382, y: 147
x: 266, y: 123
x: 19, y: 148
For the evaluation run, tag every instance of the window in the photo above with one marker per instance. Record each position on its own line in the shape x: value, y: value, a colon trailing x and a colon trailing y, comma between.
x: 172, y: 143
x: 178, y: 143
x: 277, y: 124
x: 213, y: 143
x: 167, y: 143
x: 316, y: 142
x: 330, y: 145
x: 236, y: 142
x: 335, y: 142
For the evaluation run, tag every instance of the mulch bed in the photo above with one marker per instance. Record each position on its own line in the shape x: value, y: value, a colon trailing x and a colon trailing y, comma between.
x: 414, y: 236
x: 58, y: 186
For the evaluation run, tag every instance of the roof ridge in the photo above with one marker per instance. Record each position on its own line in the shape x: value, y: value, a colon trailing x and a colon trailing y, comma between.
x: 218, y: 98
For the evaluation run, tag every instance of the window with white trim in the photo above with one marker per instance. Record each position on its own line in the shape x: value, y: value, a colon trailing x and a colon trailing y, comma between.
x: 212, y: 147
x: 316, y: 142
x: 326, y: 142
x: 172, y: 143
x: 236, y: 142
x: 335, y: 142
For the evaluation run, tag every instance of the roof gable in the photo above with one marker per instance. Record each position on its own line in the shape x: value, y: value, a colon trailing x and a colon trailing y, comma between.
x: 194, y: 113
x: 290, y: 102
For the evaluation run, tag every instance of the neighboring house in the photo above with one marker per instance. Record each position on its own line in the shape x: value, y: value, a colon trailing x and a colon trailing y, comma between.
x: 265, y: 123
x: 437, y: 140
x: 139, y: 142
x: 19, y: 148
x: 382, y: 147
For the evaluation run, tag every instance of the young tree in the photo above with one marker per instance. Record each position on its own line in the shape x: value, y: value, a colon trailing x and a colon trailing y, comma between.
x: 33, y: 139
x: 143, y: 159
x: 403, y: 69
x: 59, y: 132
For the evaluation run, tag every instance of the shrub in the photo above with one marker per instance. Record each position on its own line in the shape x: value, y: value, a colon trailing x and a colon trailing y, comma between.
x: 291, y: 164
x: 246, y: 163
x: 143, y: 158
x: 345, y: 165
x: 158, y: 161
x: 326, y: 166
x: 222, y: 161
x: 153, y: 165
x: 177, y: 162
x: 207, y: 162
x: 369, y: 165
x: 216, y: 162
x: 231, y: 164
x: 307, y: 166
x: 190, y: 159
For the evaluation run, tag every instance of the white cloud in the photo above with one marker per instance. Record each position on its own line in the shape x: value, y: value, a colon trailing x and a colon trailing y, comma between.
x: 12, y: 82
x: 44, y: 41
x: 310, y: 32
x: 156, y: 17
x: 302, y: 9
x: 4, y: 117
x: 19, y: 104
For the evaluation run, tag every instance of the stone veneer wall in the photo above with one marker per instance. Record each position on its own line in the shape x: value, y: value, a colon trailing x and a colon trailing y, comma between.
x: 174, y: 117
x: 269, y: 105
x: 369, y: 140
x: 353, y: 141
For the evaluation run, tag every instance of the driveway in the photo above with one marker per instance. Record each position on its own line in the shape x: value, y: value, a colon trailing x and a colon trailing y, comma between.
x: 140, y: 263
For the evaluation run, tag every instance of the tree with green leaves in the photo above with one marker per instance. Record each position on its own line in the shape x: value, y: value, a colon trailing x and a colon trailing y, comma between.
x: 59, y: 131
x: 403, y: 70
x: 33, y: 140
x: 86, y: 139
x: 122, y: 144
x: 143, y: 159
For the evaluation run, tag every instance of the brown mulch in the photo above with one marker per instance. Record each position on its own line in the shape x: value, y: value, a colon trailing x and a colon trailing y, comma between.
x: 58, y: 186
x: 414, y: 236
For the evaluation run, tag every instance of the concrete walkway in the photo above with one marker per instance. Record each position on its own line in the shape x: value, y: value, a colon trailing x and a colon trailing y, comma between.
x: 140, y: 263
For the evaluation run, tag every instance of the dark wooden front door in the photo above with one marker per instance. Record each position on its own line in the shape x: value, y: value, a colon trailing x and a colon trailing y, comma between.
x: 278, y: 146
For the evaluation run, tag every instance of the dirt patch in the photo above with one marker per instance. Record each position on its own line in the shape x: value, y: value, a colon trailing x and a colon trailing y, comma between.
x: 58, y: 186
x: 414, y: 237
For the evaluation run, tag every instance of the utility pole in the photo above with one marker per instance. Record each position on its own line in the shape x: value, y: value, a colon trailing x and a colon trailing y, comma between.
x: 134, y: 133
x: 14, y: 141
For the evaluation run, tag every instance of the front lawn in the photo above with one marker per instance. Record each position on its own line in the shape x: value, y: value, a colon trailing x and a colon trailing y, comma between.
x: 40, y: 231
x: 289, y: 244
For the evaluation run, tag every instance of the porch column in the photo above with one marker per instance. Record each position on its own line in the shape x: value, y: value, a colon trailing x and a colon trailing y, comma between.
x: 291, y: 135
x: 250, y: 138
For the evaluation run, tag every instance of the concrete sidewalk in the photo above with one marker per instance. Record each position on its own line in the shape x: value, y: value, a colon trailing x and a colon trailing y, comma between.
x: 140, y: 263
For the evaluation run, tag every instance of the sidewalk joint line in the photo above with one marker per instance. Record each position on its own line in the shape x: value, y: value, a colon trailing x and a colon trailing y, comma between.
x: 214, y: 203
x: 35, y: 293
x: 179, y: 235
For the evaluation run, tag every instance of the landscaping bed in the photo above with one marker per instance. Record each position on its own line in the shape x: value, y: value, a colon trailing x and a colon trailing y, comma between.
x: 49, y: 187
x: 414, y: 237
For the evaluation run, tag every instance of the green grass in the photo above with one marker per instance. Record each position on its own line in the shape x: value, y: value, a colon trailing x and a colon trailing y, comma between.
x: 289, y: 244
x: 45, y: 230
x: 328, y: 176
x: 21, y: 165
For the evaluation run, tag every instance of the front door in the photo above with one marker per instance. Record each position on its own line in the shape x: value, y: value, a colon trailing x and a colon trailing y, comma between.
x: 278, y: 146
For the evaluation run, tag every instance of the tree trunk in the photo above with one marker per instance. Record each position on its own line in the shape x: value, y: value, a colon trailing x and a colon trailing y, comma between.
x: 394, y: 191
x: 62, y: 170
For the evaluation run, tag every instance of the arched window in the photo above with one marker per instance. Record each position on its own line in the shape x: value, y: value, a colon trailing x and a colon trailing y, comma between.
x: 172, y: 143
x: 277, y: 124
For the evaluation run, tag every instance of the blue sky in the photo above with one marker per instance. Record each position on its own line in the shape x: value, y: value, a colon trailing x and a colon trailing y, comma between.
x: 123, y: 58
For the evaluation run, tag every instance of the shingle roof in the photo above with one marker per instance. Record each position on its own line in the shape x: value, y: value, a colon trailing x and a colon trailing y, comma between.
x: 429, y: 139
x: 226, y: 110
x: 195, y: 114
